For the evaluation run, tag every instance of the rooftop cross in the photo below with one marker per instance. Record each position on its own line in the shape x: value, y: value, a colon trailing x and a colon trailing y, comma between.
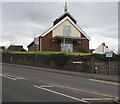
x: 65, y: 9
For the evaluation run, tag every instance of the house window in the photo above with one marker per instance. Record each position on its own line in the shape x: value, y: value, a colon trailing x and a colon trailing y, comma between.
x: 66, y: 30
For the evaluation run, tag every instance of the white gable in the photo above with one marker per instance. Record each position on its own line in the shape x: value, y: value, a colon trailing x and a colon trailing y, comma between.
x: 58, y: 31
x: 62, y: 22
x: 101, y: 50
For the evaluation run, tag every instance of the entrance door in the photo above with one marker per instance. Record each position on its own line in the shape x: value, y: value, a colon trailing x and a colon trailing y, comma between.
x: 66, y: 47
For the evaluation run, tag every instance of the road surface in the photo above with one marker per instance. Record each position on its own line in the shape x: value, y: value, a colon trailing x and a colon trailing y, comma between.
x: 22, y: 84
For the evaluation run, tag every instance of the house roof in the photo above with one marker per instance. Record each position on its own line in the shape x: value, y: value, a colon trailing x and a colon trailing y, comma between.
x: 102, y: 49
x: 30, y: 44
x: 15, y: 47
x: 69, y: 19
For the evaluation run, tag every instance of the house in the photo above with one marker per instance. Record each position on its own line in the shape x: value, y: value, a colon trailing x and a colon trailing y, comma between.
x: 91, y: 50
x: 2, y: 48
x: 65, y: 35
x: 102, y: 49
x: 16, y: 48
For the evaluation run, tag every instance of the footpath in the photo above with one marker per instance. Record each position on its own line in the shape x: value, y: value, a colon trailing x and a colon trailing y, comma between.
x: 112, y: 78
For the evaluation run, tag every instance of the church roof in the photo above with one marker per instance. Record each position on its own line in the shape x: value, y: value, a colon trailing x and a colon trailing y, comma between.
x: 63, y: 16
x: 70, y: 20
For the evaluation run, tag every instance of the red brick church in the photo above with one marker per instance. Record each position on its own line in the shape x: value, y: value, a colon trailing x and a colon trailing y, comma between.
x: 65, y: 35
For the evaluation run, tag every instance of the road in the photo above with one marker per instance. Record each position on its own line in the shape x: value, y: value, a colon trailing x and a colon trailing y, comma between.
x: 22, y: 84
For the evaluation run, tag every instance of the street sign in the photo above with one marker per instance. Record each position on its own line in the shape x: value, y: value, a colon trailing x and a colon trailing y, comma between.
x: 109, y: 54
x: 36, y: 41
x: 77, y: 62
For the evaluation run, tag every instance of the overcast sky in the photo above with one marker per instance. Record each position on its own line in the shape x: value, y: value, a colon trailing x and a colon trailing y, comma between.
x: 22, y: 21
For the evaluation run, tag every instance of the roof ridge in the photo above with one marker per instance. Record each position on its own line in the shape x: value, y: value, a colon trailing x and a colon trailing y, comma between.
x: 64, y: 14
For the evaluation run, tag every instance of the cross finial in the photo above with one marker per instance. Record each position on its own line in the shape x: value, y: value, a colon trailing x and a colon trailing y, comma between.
x: 65, y: 9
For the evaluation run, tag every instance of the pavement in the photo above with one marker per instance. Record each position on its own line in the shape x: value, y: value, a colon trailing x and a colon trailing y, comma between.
x: 112, y: 78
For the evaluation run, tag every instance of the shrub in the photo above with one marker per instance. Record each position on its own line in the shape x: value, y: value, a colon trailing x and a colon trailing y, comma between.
x: 83, y: 50
x: 103, y: 57
x: 60, y: 59
x: 86, y: 58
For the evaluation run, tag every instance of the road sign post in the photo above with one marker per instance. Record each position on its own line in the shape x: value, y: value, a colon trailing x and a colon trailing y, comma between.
x: 96, y: 69
x: 109, y: 55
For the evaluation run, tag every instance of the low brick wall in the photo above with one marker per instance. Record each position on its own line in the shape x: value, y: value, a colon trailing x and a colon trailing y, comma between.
x: 62, y: 62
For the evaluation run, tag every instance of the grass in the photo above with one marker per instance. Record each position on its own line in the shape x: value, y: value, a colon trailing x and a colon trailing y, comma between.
x: 48, y: 52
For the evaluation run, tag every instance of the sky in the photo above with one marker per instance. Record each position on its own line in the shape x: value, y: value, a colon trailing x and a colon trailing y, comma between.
x: 22, y: 21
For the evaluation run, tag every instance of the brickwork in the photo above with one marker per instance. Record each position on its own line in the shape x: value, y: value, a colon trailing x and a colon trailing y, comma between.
x: 85, y: 43
x: 49, y: 45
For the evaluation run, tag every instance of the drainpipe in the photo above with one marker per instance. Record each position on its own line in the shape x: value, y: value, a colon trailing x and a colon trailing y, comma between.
x: 40, y: 44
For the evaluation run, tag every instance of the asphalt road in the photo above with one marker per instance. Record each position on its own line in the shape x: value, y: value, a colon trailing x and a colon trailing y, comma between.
x: 27, y: 85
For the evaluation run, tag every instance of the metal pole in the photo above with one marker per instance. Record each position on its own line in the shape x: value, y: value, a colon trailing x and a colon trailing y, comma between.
x: 64, y: 45
x: 109, y: 67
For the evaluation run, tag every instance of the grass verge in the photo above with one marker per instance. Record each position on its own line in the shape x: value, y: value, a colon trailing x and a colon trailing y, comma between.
x: 48, y: 52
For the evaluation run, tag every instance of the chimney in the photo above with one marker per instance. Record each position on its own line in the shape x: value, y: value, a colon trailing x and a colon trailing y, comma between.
x: 103, y: 43
x: 106, y: 46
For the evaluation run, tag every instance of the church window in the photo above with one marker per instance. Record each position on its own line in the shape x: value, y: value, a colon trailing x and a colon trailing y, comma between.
x: 66, y: 30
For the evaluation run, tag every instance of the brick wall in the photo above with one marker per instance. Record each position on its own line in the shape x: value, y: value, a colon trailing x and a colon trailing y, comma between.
x: 49, y: 45
x: 85, y: 43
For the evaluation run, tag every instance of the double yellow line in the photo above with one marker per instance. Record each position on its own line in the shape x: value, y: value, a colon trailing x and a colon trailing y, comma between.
x: 115, y: 83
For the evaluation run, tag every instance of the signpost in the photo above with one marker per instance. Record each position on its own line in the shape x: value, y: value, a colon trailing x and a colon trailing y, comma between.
x: 109, y: 55
x: 96, y: 69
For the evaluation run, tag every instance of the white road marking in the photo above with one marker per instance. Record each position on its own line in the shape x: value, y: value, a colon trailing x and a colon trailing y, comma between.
x: 12, y: 77
x: 20, y: 78
x: 97, y: 98
x: 9, y: 78
x: 46, y: 86
x: 84, y: 91
x: 60, y: 86
x: 61, y: 94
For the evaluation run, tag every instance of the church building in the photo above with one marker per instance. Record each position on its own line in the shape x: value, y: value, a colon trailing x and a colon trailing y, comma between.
x: 65, y: 35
